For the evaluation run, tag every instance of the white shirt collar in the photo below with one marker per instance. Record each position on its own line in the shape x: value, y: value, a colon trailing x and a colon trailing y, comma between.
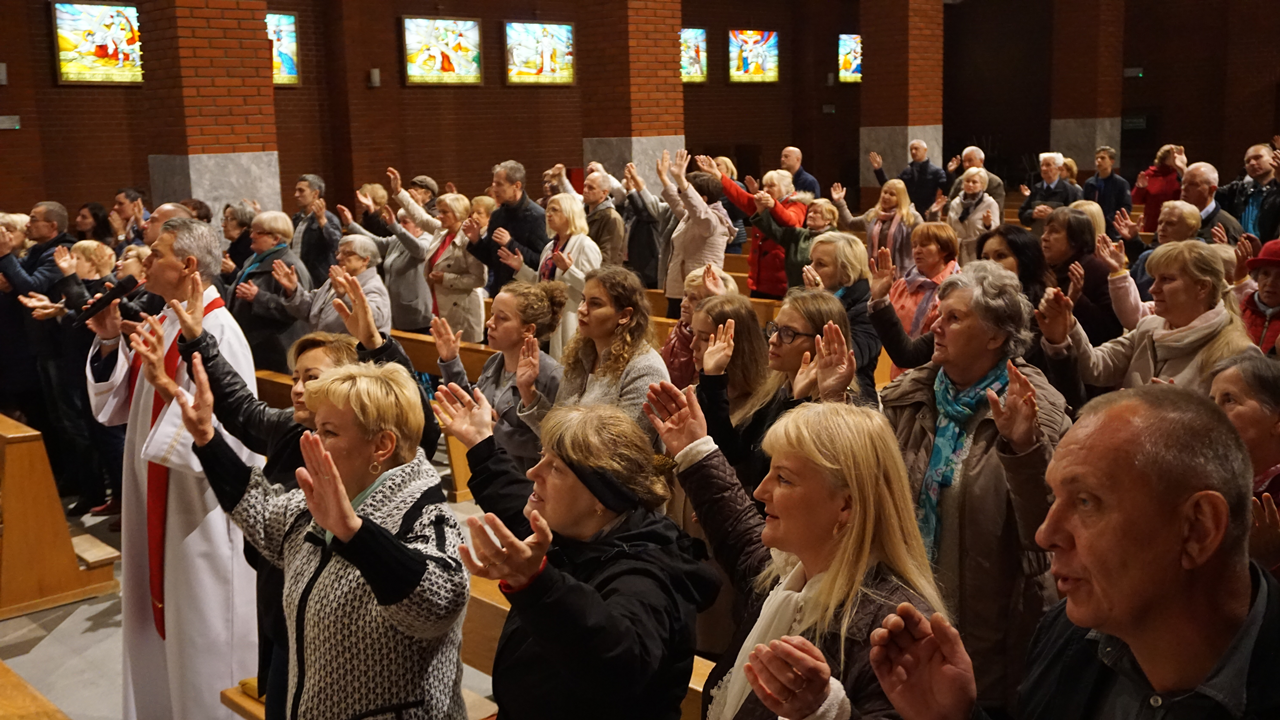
x: 1213, y: 205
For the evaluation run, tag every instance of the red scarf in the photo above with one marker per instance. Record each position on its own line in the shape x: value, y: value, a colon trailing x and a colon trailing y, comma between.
x: 431, y: 266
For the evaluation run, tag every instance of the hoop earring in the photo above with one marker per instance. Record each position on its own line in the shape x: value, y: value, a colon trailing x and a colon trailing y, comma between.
x: 375, y: 468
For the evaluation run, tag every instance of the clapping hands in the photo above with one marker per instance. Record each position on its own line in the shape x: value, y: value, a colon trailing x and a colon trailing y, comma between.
x: 1054, y: 316
x: 469, y: 418
x: 1017, y: 418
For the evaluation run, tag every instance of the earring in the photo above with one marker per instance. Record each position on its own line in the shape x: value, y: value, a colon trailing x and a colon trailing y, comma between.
x: 835, y: 531
x: 599, y: 511
x: 375, y: 468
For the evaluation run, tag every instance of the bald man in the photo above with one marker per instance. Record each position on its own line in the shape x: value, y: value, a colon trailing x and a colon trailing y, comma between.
x: 801, y: 179
x: 1199, y: 187
x: 1255, y: 200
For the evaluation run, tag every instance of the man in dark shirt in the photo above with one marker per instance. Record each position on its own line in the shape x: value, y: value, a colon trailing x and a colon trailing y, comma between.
x: 1165, y: 615
x: 1108, y: 189
x: 1199, y: 187
x: 316, y: 231
x: 1053, y: 191
x: 801, y: 180
x: 519, y: 224
x: 922, y: 178
x: 1255, y: 200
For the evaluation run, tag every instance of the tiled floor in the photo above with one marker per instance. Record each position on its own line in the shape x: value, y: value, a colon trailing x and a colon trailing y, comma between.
x: 72, y: 654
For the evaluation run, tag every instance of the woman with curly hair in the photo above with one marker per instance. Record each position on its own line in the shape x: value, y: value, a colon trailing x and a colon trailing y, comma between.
x: 609, y: 361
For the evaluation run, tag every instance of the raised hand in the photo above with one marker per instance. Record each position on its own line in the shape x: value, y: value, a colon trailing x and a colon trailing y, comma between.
x: 987, y: 219
x: 876, y: 161
x: 1141, y: 180
x: 247, y: 291
x: 1244, y: 253
x: 511, y: 559
x: 806, y: 381
x: 836, y: 363
x: 388, y: 216
x: 633, y: 175
x: 106, y: 324
x: 446, y: 340
x: 753, y: 187
x: 8, y: 242
x: 676, y: 415
x: 359, y: 319
x: 882, y: 271
x: 953, y: 164
x: 41, y: 307
x: 1109, y: 253
x: 326, y: 495
x: 471, y: 228
x: 837, y: 193
x: 681, y: 165
x: 469, y: 418
x: 394, y: 184
x: 365, y: 201
x: 148, y: 343
x: 708, y: 165
x: 711, y: 281
x: 1026, y: 191
x: 922, y: 666
x: 764, y: 202
x: 65, y: 261
x: 563, y: 260
x: 512, y: 259
x: 1180, y: 159
x: 1125, y: 225
x: 1219, y: 234
x: 790, y: 676
x: 719, y: 350
x: 664, y: 167
x: 228, y: 265
x: 501, y: 236
x: 117, y: 223
x: 318, y: 208
x: 1264, y: 539
x: 190, y: 308
x: 1076, y: 286
x: 286, y: 275
x: 1054, y: 316
x: 197, y: 412
x: 527, y: 370
x: 812, y: 280
x: 938, y: 204
x: 1017, y: 418
x: 344, y: 215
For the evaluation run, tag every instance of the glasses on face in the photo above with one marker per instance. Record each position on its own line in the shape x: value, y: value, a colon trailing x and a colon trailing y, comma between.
x: 785, y: 334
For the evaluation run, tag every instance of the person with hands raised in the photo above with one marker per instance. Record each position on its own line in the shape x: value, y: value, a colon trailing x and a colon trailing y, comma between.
x: 256, y: 297
x: 605, y: 590
x: 1159, y: 183
x: 836, y: 548
x: 677, y: 352
x: 358, y: 259
x: 977, y: 467
x: 519, y: 373
x: 518, y: 222
x: 366, y: 543
x: 318, y: 231
x: 702, y: 226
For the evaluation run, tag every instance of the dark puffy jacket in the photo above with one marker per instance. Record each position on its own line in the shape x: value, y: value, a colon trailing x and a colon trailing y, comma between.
x: 923, y: 180
x: 1234, y: 196
x: 607, y: 628
x: 319, y: 247
x: 862, y: 336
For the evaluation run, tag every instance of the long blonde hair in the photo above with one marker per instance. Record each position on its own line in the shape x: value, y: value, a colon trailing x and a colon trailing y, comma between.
x: 855, y: 449
x: 899, y: 188
x: 1200, y: 264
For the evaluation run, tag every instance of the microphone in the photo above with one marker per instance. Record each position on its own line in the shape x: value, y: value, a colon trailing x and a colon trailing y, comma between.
x: 118, y: 291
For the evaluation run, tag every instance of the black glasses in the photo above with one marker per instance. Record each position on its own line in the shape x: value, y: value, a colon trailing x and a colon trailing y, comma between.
x: 785, y: 334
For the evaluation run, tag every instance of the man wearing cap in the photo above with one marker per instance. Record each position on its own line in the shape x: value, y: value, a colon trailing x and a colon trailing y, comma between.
x: 1261, y: 309
x: 424, y: 190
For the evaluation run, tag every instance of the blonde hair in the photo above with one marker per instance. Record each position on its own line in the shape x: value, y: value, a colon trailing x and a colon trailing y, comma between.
x: 97, y: 254
x: 855, y: 450
x: 274, y: 222
x: 376, y: 193
x: 732, y: 169
x: 141, y: 252
x: 978, y: 172
x: 1069, y: 169
x: 15, y: 222
x: 458, y: 204
x: 569, y: 206
x: 750, y: 386
x: 786, y: 183
x: 899, y: 188
x: 383, y: 398
x: 828, y: 210
x: 693, y: 281
x: 851, y: 255
x: 340, y: 348
x: 605, y: 438
x: 539, y: 304
x: 1190, y: 214
x: 484, y: 204
x: 940, y: 234
x: 1200, y: 264
x: 1094, y: 211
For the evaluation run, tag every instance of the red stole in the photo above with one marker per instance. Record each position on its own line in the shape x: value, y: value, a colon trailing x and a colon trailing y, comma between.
x: 158, y: 480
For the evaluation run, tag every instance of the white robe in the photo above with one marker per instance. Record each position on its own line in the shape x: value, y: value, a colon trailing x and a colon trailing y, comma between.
x: 211, y: 634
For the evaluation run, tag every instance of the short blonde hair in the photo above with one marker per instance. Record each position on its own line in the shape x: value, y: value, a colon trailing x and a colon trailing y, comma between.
x: 784, y: 179
x: 693, y: 281
x: 15, y: 222
x: 569, y: 206
x: 1094, y: 211
x: 603, y: 437
x: 457, y: 203
x: 976, y: 171
x: 1190, y: 213
x: 100, y: 256
x: 376, y: 193
x: 484, y: 204
x: 383, y: 398
x: 340, y: 348
x: 274, y: 222
x: 828, y: 210
x: 732, y: 169
x: 851, y: 255
x: 141, y: 251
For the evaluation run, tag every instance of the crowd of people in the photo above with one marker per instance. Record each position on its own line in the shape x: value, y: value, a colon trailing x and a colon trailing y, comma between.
x: 1060, y: 505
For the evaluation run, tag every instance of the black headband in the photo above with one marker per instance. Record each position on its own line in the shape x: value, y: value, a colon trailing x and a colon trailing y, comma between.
x: 605, y: 487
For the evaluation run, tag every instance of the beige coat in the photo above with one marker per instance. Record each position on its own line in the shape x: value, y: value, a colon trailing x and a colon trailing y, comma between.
x: 994, y: 578
x: 458, y: 297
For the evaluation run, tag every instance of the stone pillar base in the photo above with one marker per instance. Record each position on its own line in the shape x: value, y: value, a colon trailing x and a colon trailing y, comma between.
x: 217, y: 179
x: 615, y: 152
x: 1079, y: 138
x: 891, y: 143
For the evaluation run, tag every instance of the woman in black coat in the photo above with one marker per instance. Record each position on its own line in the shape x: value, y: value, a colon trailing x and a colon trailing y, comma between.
x: 838, y: 264
x: 604, y: 589
x: 256, y: 299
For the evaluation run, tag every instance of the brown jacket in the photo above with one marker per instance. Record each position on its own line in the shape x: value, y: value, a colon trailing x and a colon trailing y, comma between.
x: 994, y: 578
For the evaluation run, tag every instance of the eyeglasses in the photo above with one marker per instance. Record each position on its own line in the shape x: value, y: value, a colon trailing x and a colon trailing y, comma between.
x: 785, y: 334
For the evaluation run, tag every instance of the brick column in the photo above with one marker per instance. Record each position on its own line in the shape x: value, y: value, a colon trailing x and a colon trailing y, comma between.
x: 1087, y: 78
x: 628, y: 65
x: 208, y: 100
x: 901, y: 86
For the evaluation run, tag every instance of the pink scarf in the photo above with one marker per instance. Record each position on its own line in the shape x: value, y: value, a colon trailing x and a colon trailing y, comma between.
x: 885, y: 239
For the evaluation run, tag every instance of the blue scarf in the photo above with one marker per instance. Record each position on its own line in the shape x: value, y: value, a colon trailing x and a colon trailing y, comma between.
x: 955, y: 409
x: 251, y: 264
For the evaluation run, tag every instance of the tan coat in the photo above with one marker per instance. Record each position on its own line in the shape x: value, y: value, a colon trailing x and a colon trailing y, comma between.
x: 458, y: 296
x: 994, y: 578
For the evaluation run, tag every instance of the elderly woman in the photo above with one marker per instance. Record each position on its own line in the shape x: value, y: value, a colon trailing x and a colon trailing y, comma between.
x: 256, y: 298
x: 379, y: 627
x: 934, y: 248
x: 837, y: 546
x: 604, y: 588
x: 1261, y: 308
x: 404, y: 253
x: 1190, y: 333
x: 977, y: 468
x: 888, y: 225
x: 237, y: 225
x: 523, y: 315
x: 357, y: 257
x: 838, y: 264
x: 609, y: 361
x: 1178, y: 221
x: 797, y: 241
x: 1247, y: 388
x: 972, y: 213
x: 570, y: 258
x: 1159, y: 184
x: 677, y: 351
x: 1068, y: 241
x: 703, y: 228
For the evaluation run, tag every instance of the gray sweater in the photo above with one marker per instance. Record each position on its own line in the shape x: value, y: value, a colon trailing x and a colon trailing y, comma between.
x: 316, y: 306
x: 403, y: 259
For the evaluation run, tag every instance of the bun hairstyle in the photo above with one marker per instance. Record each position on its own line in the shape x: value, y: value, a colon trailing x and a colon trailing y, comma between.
x: 605, y: 438
x: 539, y: 304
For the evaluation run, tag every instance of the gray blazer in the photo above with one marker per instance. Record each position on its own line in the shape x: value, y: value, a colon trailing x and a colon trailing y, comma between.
x: 511, y: 433
x: 316, y: 306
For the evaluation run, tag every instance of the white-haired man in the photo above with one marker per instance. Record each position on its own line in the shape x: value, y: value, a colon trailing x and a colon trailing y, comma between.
x: 187, y: 594
x: 973, y: 157
x: 1200, y: 187
x: 1053, y: 191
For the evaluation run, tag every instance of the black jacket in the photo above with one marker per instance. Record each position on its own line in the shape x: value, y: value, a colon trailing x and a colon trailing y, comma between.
x: 862, y: 337
x: 319, y: 247
x: 643, y: 231
x: 37, y: 272
x: 1112, y: 194
x: 1229, y: 224
x: 267, y: 324
x: 526, y: 221
x: 741, y: 445
x: 238, y: 251
x: 1060, y: 195
x: 78, y: 341
x: 1066, y: 680
x: 923, y: 180
x: 1234, y: 196
x: 803, y: 181
x: 607, y: 628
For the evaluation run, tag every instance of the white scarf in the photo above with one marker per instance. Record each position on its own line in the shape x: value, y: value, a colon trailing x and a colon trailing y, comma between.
x: 1171, y: 343
x: 779, y: 616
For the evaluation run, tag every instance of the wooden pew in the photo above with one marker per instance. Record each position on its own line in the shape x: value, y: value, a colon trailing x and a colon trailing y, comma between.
x: 421, y: 350
x: 657, y: 303
x: 661, y: 328
x: 766, y: 309
x: 741, y: 280
x: 39, y: 565
x: 20, y: 701
x: 737, y: 263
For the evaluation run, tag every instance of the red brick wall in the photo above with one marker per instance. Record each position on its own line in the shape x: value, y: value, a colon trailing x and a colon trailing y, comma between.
x: 1088, y: 63
x: 303, y: 137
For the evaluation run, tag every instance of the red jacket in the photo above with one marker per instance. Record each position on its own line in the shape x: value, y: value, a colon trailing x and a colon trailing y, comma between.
x: 1162, y: 184
x: 1263, y: 329
x: 768, y: 261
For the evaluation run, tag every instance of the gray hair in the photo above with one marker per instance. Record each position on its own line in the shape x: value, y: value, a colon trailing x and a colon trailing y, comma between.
x: 1261, y: 375
x: 512, y: 170
x: 976, y: 151
x: 923, y: 144
x: 315, y: 181
x: 362, y: 246
x: 1185, y: 444
x: 998, y: 301
x: 1056, y: 157
x: 56, y: 213
x: 1210, y: 172
x: 241, y: 212
x: 192, y: 238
